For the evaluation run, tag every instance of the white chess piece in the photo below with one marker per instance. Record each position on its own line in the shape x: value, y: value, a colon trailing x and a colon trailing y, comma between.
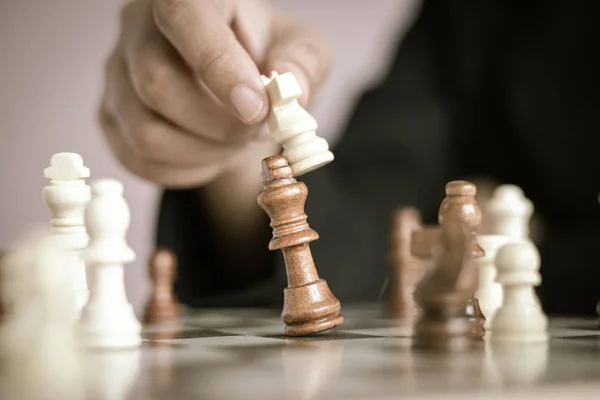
x: 67, y: 197
x: 38, y: 342
x: 520, y: 319
x: 108, y: 319
x: 508, y: 213
x: 489, y: 292
x: 295, y: 129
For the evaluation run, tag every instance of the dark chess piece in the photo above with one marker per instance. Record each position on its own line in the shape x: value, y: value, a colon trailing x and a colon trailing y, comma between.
x: 405, y: 270
x: 460, y: 202
x: 476, y: 318
x: 309, y: 305
x: 443, y: 293
x: 163, y: 304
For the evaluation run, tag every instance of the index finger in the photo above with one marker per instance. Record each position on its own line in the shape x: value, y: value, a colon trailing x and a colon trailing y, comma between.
x: 200, y: 31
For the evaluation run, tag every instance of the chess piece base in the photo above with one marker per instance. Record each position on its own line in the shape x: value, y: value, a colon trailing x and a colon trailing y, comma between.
x: 310, y: 309
x: 313, y: 327
x: 102, y: 330
x: 112, y: 340
x: 451, y: 334
x: 312, y: 163
x: 160, y: 312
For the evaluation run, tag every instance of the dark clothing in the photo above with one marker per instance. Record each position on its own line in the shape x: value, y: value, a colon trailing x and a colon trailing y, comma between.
x: 502, y: 89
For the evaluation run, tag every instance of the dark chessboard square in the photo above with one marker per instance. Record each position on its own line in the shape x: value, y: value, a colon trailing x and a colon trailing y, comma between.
x: 185, y: 334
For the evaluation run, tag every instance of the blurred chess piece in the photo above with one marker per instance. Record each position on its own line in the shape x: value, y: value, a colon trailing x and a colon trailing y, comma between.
x: 508, y: 213
x: 37, y: 344
x: 444, y: 293
x: 460, y: 203
x: 163, y: 304
x: 66, y: 197
x: 294, y: 128
x: 309, y: 305
x: 489, y: 291
x: 404, y: 270
x: 520, y: 318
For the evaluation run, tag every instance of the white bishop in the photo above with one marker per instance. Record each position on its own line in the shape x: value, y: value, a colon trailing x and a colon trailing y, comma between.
x: 108, y: 319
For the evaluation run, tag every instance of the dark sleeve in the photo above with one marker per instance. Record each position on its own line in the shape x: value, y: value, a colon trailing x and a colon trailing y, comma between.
x: 393, y: 153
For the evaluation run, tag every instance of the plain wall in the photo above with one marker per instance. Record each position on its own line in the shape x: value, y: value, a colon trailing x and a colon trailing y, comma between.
x: 52, y: 57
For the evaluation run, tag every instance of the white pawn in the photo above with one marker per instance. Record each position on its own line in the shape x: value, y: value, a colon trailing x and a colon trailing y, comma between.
x: 295, y: 129
x: 108, y: 319
x: 67, y: 197
x: 508, y: 213
x: 489, y: 292
x: 520, y: 319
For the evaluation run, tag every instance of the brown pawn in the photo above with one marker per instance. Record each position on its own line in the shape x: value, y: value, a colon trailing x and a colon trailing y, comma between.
x: 441, y: 294
x: 460, y: 202
x: 405, y: 270
x: 309, y: 305
x: 163, y: 304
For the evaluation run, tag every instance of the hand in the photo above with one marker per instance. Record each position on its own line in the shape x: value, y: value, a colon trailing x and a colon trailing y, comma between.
x: 183, y: 97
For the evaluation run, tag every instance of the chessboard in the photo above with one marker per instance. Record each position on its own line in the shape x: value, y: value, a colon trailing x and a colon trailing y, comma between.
x: 243, y: 354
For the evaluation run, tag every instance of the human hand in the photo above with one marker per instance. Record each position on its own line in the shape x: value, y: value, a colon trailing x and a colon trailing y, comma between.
x: 183, y: 97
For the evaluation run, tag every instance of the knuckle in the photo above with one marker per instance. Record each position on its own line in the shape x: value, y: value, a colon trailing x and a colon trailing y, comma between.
x: 147, y: 140
x: 211, y: 56
x: 152, y: 85
x: 165, y: 11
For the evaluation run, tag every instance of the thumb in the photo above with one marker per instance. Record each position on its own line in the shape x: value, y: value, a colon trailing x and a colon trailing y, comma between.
x: 301, y: 51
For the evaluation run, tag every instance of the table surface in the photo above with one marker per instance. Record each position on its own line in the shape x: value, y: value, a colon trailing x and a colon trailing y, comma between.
x: 242, y: 354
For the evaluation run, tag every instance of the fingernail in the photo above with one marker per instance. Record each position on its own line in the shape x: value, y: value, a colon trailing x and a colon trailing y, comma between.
x: 247, y: 102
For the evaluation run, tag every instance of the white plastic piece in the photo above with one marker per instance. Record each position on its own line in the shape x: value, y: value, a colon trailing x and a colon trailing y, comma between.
x: 37, y: 341
x: 294, y: 128
x: 66, y: 197
x: 520, y: 319
x: 508, y: 213
x: 108, y: 319
x: 489, y: 292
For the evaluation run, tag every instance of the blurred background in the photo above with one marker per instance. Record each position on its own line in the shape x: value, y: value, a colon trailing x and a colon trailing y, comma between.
x: 52, y: 56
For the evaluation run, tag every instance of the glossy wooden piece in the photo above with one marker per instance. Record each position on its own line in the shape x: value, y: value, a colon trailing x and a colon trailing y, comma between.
x: 309, y: 305
x: 422, y: 241
x: 163, y: 304
x: 405, y: 270
x: 443, y: 296
x: 460, y: 203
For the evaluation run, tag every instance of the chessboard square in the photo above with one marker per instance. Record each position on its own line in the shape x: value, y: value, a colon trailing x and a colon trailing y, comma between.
x: 184, y: 333
x: 392, y: 331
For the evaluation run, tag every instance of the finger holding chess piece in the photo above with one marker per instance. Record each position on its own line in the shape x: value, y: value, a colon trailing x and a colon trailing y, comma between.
x: 309, y: 305
x: 163, y: 304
